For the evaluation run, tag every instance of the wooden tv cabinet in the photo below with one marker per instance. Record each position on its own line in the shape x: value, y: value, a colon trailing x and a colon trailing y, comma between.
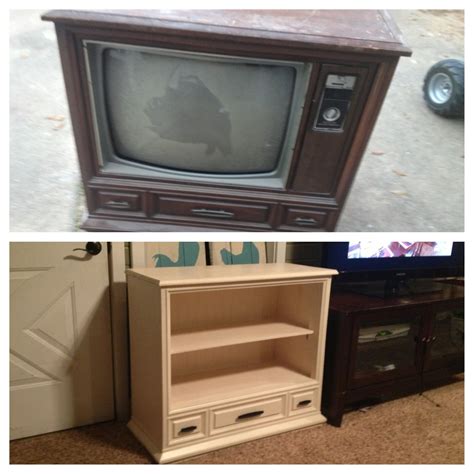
x: 364, y: 364
x: 337, y: 46
x: 221, y: 355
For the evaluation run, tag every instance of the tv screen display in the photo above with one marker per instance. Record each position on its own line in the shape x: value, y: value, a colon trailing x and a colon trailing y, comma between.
x: 386, y: 249
x: 381, y: 259
x: 197, y: 114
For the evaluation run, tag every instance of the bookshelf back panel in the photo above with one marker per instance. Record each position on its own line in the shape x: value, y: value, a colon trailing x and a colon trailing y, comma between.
x: 203, y: 310
x: 240, y: 356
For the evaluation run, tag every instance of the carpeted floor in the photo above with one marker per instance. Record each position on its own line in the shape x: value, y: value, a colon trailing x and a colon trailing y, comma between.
x: 426, y: 429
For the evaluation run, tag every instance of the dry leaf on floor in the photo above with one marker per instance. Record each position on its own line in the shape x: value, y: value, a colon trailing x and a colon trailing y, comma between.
x: 58, y: 126
x: 56, y: 118
x: 399, y: 173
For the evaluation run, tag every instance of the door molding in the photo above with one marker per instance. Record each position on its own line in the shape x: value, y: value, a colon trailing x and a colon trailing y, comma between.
x: 119, y: 321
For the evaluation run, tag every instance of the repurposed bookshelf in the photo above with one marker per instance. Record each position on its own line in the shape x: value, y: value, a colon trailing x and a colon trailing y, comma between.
x: 221, y: 355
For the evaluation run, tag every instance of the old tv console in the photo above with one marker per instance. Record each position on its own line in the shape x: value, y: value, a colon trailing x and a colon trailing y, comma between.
x: 221, y: 355
x: 348, y: 44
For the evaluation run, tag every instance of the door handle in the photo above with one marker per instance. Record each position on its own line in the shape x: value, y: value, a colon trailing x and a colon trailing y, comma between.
x: 252, y: 414
x: 118, y: 204
x: 305, y: 221
x: 92, y: 248
x: 222, y: 213
x: 187, y: 429
x: 303, y: 403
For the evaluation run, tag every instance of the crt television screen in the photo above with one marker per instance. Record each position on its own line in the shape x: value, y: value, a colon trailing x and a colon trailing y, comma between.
x: 385, y: 249
x: 197, y: 114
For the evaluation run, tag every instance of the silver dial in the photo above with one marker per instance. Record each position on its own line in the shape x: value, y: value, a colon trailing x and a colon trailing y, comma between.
x: 331, y: 114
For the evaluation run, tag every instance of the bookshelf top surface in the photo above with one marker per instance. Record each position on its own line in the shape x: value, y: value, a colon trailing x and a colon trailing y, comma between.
x: 215, y: 274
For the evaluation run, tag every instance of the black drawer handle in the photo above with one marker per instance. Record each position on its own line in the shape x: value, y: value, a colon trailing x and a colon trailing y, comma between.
x: 118, y: 204
x: 303, y: 403
x: 213, y: 213
x: 305, y: 221
x: 251, y: 414
x: 187, y: 429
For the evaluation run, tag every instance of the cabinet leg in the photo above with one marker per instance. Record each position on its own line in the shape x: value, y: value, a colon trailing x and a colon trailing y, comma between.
x: 335, y: 420
x: 335, y: 411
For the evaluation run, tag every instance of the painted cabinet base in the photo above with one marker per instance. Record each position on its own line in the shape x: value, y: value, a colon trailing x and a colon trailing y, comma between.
x: 177, y: 453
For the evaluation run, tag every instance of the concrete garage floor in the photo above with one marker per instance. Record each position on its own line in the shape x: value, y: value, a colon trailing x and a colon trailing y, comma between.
x: 411, y: 177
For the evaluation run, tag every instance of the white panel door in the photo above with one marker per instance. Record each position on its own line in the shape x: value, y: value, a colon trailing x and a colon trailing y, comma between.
x: 60, y: 338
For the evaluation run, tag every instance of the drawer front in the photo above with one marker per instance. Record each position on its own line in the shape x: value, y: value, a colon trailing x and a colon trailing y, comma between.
x: 248, y: 414
x: 297, y: 218
x: 187, y: 428
x: 115, y: 202
x: 303, y: 402
x: 213, y: 210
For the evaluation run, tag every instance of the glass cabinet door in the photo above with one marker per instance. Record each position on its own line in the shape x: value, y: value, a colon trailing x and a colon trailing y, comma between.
x: 447, y: 337
x: 384, y: 348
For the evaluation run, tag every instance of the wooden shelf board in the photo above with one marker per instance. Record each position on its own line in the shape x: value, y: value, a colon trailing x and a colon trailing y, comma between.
x: 217, y: 386
x: 226, y: 336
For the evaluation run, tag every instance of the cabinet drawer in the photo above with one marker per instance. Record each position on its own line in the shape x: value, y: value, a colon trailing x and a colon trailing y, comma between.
x: 187, y: 428
x: 215, y: 210
x: 298, y: 218
x: 302, y: 402
x: 248, y: 414
x: 115, y: 202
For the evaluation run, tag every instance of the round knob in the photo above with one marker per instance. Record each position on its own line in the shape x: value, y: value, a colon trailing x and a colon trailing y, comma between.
x: 92, y: 248
x: 331, y: 114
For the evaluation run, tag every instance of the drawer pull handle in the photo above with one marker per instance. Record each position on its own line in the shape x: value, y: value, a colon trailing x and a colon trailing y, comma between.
x: 213, y: 213
x: 187, y: 429
x: 118, y: 204
x: 251, y: 414
x: 305, y: 221
x: 303, y: 403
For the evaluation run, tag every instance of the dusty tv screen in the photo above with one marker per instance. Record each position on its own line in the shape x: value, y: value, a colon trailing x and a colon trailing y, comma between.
x: 197, y: 114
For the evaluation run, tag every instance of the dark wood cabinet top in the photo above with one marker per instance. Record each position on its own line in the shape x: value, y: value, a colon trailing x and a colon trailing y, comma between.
x: 363, y: 31
x: 347, y: 302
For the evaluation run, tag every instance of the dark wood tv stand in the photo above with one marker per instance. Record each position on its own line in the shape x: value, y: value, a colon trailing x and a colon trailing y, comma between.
x: 428, y: 350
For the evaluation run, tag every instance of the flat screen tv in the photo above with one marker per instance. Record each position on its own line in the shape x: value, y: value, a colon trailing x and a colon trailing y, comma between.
x: 396, y: 267
x: 200, y: 119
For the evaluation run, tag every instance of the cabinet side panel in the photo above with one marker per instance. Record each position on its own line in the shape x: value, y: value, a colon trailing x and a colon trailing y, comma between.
x: 302, y: 305
x: 146, y: 331
x: 298, y: 303
x: 323, y: 322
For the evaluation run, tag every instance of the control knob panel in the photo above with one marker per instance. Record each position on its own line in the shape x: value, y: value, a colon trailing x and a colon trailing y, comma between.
x: 335, y: 103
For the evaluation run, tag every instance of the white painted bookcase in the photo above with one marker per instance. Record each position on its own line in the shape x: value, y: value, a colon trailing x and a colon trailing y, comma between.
x: 221, y: 355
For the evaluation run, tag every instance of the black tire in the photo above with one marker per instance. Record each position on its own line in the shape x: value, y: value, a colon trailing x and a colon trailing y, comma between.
x: 443, y: 88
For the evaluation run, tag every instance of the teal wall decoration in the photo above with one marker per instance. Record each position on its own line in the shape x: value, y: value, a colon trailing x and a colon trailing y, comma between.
x: 188, y: 253
x: 249, y: 254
